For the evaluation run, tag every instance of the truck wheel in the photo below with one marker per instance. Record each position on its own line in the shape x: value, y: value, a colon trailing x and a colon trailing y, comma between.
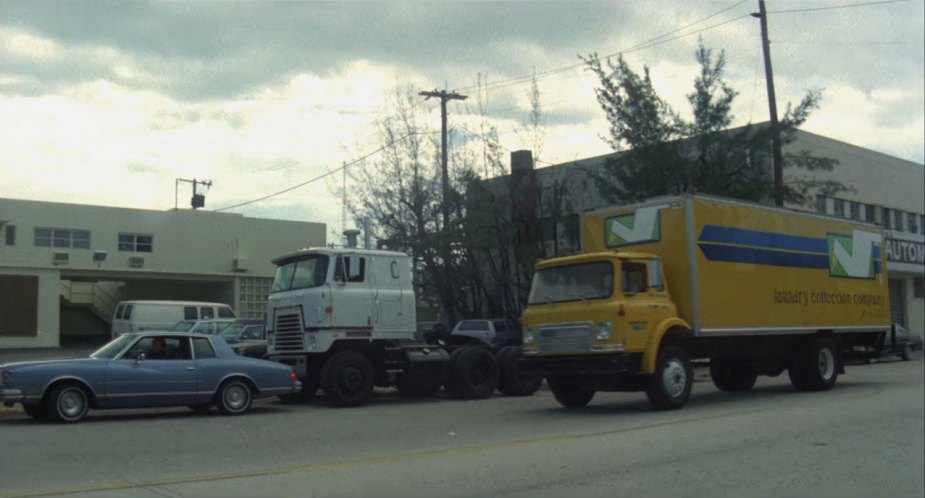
x: 570, y: 396
x: 510, y: 381
x: 475, y: 373
x: 67, y: 403
x: 449, y: 383
x: 815, y: 365
x: 347, y: 379
x: 732, y: 378
x: 670, y: 386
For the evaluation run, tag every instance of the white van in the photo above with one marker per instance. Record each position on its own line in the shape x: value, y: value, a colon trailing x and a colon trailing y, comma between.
x: 136, y: 316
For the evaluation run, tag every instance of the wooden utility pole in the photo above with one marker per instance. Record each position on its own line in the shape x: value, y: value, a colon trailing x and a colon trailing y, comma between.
x: 443, y: 95
x: 777, y: 156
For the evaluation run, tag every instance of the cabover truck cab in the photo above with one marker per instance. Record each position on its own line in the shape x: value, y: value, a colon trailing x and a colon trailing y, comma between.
x: 752, y: 289
x: 344, y: 319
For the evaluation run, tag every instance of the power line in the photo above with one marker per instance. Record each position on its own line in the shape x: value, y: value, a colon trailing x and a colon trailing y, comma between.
x: 640, y: 46
x: 833, y: 7
x: 329, y: 173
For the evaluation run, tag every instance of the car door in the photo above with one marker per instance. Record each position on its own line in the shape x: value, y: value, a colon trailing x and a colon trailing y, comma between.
x: 135, y: 380
x: 210, y: 369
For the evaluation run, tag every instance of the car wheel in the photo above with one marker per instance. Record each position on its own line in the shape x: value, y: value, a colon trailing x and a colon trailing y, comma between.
x: 234, y: 397
x: 347, y: 379
x: 34, y: 411
x: 67, y: 403
x: 815, y: 365
x: 511, y: 382
x: 568, y: 395
x: 670, y: 387
x: 905, y: 354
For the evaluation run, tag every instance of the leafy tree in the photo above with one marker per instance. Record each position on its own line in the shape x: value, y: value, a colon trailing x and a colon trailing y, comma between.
x: 664, y: 154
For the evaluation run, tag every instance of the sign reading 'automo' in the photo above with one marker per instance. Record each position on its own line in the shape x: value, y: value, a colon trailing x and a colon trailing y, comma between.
x: 904, y: 251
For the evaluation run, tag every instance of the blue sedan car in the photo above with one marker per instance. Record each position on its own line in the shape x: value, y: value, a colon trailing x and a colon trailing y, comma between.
x: 154, y: 369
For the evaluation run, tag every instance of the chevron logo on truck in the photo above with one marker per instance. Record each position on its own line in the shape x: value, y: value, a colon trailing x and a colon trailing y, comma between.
x: 639, y: 227
x: 844, y: 256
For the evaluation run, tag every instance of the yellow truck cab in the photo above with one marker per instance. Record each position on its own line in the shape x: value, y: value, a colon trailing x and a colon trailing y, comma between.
x: 753, y: 289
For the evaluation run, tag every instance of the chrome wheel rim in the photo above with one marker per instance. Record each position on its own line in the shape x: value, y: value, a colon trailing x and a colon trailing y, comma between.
x: 72, y: 403
x: 674, y: 378
x: 236, y: 397
x: 826, y: 363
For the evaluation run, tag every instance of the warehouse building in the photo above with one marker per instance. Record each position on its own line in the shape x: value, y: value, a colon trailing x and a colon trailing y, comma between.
x: 64, y: 267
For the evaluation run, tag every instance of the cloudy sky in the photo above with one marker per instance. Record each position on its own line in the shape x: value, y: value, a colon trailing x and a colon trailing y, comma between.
x: 109, y: 102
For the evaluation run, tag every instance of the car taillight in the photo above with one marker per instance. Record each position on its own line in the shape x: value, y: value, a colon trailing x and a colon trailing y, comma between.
x: 294, y: 375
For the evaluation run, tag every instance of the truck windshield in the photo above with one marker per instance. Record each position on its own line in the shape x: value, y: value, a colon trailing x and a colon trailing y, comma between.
x: 307, y: 271
x: 577, y: 282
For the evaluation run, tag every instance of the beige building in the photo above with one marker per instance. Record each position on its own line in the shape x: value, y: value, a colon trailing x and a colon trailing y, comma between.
x: 63, y: 267
x: 888, y: 191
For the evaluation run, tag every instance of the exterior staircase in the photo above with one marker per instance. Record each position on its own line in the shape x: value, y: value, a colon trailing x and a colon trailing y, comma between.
x: 101, y: 298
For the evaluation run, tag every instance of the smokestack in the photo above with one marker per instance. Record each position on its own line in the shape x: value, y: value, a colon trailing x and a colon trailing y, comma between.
x: 351, y: 236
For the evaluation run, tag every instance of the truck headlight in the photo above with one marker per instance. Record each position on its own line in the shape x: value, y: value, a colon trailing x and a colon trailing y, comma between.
x: 603, y: 331
x: 528, y: 336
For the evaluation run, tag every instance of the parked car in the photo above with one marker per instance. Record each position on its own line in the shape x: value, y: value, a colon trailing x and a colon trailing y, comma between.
x: 152, y: 369
x: 244, y: 329
x: 495, y: 332
x: 138, y: 316
x: 906, y: 342
x: 247, y: 337
x: 210, y: 327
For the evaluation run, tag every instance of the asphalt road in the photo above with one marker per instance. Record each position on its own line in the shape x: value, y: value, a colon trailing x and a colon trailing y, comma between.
x: 864, y: 438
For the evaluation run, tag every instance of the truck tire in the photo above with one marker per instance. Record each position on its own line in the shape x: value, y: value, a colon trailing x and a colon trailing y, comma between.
x: 510, y: 381
x: 570, y: 395
x: 449, y: 382
x: 815, y: 365
x: 731, y: 377
x: 347, y: 379
x: 475, y: 373
x: 670, y: 386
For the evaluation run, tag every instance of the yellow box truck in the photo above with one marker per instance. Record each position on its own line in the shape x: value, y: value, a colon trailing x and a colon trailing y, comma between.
x: 753, y: 289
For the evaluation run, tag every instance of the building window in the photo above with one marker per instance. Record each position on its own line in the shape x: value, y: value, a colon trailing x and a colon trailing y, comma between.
x: 913, y: 220
x: 839, y: 206
x: 820, y: 204
x: 898, y: 220
x: 870, y: 213
x: 855, y: 211
x: 887, y: 218
x: 62, y: 237
x: 10, y: 235
x: 918, y: 287
x: 134, y: 242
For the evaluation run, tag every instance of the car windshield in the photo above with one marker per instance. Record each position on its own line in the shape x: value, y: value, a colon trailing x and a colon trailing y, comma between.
x: 572, y: 283
x: 113, y: 347
x: 307, y: 271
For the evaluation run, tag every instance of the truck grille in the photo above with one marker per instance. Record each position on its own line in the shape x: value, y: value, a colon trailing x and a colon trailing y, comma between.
x: 572, y: 338
x: 288, y: 332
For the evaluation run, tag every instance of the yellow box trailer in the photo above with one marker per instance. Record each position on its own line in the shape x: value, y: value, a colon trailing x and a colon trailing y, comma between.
x: 754, y: 289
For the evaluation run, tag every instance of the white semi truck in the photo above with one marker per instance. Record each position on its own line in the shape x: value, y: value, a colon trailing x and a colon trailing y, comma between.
x: 344, y: 319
